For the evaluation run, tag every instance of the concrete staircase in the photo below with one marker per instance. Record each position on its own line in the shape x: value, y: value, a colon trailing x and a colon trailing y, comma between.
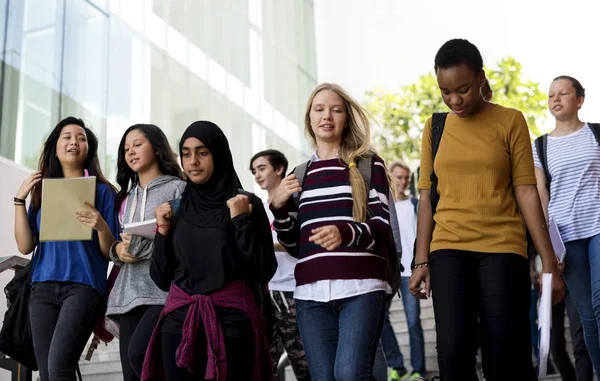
x: 105, y: 364
x: 428, y: 323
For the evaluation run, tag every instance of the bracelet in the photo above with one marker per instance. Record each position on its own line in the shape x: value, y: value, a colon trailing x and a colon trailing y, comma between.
x: 16, y: 199
x: 19, y: 204
x: 158, y: 226
x: 421, y: 265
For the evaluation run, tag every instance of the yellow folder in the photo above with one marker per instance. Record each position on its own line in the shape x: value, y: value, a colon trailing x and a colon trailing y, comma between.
x: 61, y: 200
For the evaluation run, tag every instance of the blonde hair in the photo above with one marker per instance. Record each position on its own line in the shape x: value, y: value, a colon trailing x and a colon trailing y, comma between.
x: 393, y: 180
x: 401, y: 164
x: 356, y: 144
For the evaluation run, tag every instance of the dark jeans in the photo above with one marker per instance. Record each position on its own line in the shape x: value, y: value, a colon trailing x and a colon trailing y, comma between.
x: 341, y: 336
x: 495, y: 288
x: 412, y: 311
x: 380, y: 365
x: 135, y: 329
x: 62, y: 316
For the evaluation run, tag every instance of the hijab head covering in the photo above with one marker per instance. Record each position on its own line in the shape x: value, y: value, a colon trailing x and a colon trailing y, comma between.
x: 206, y: 204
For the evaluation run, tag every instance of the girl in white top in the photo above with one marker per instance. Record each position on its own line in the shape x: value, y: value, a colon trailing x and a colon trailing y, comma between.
x: 572, y: 200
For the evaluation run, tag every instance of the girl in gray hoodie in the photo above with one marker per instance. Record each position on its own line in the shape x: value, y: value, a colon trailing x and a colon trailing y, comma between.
x: 149, y: 175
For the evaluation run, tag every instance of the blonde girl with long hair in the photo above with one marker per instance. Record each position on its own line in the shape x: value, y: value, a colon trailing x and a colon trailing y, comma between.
x: 336, y: 232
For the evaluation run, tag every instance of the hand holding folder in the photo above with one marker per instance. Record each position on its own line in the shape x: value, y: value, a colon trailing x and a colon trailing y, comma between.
x: 62, y: 201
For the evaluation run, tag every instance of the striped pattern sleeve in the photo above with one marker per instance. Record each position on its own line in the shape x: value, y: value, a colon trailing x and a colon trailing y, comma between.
x: 365, y: 235
x: 287, y: 227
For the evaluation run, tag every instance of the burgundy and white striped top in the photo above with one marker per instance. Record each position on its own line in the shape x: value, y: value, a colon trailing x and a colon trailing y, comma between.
x: 326, y: 199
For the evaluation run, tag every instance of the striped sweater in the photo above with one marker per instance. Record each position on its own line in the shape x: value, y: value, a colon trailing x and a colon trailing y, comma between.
x: 326, y: 199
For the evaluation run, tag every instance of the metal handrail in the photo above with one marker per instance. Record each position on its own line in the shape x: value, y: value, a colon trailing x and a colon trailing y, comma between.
x: 13, y: 262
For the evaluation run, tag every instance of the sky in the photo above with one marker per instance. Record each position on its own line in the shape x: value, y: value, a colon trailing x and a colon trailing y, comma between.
x: 364, y: 44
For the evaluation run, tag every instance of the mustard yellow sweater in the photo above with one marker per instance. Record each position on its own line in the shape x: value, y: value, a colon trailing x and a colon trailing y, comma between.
x: 480, y: 160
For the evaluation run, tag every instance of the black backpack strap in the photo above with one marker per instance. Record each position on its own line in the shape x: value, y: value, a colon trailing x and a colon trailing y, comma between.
x: 438, y: 121
x: 541, y: 148
x: 595, y: 127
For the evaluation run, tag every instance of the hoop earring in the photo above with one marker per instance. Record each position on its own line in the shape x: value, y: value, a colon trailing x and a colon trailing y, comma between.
x: 482, y: 96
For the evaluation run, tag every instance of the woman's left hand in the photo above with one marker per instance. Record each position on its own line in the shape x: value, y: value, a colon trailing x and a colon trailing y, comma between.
x: 328, y: 237
x: 93, y: 219
x: 558, y: 286
x: 239, y: 204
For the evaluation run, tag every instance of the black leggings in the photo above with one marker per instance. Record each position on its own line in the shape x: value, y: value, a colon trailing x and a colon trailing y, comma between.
x: 495, y: 288
x: 239, y: 348
x: 135, y: 329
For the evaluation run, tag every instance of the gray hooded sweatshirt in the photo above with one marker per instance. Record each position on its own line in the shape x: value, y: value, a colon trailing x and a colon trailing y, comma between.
x: 133, y: 287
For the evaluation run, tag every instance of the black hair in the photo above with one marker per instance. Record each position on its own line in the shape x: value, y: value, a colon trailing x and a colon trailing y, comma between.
x: 579, y: 90
x: 50, y: 166
x: 459, y: 52
x: 275, y: 158
x: 167, y: 160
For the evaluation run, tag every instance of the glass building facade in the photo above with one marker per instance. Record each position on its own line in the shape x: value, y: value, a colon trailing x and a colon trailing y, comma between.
x: 247, y: 65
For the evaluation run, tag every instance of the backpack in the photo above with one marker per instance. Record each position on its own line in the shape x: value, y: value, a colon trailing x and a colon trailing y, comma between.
x: 392, y: 252
x: 15, y: 336
x: 541, y: 147
x: 257, y: 288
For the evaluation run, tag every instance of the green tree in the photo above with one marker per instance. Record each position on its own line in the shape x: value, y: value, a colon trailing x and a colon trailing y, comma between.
x: 401, y: 115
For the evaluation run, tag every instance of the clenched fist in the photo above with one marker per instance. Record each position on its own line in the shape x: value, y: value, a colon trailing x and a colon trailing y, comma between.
x: 285, y: 190
x: 164, y: 214
x: 239, y: 204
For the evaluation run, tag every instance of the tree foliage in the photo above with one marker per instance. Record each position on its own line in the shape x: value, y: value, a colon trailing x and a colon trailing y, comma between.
x: 401, y: 115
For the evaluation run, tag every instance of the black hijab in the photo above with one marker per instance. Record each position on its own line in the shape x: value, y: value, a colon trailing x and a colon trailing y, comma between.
x: 206, y: 204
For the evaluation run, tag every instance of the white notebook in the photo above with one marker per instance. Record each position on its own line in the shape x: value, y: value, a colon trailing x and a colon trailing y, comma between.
x: 545, y: 322
x: 557, y: 243
x: 144, y: 229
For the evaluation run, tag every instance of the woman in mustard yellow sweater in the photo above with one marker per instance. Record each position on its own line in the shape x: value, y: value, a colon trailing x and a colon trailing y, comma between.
x: 472, y: 251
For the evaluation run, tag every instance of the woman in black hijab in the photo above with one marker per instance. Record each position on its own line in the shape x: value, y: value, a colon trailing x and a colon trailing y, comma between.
x: 211, y: 246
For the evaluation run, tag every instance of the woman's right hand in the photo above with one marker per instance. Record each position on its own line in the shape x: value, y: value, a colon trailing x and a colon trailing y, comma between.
x: 285, y: 190
x: 28, y: 184
x: 163, y: 217
x: 420, y: 283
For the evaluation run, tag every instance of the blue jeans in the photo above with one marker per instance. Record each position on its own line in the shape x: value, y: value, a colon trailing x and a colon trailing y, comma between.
x: 393, y: 355
x: 380, y: 365
x: 340, y: 337
x: 62, y: 316
x: 582, y: 276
